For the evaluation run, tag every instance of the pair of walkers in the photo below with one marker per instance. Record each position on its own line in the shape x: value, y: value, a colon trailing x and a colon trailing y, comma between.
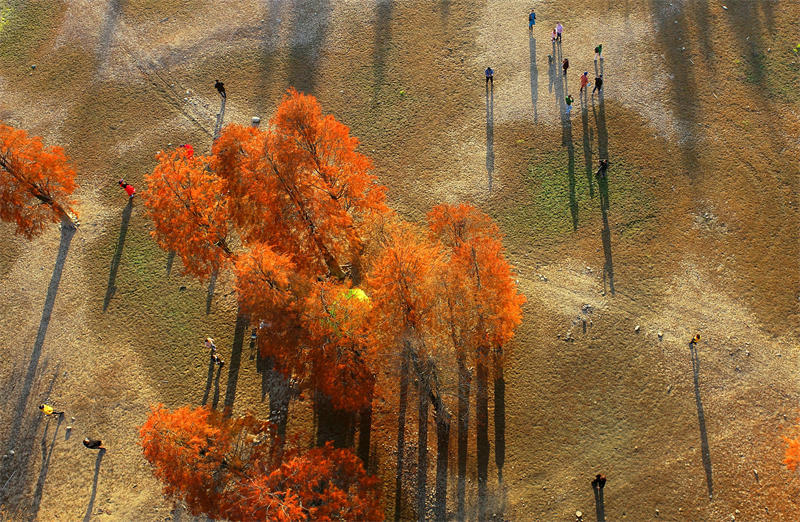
x: 215, y: 359
x: 598, y: 82
x: 49, y: 411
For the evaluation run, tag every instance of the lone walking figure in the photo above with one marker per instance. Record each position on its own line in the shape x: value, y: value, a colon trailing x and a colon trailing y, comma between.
x: 93, y: 443
x: 490, y: 76
x: 49, y: 411
x: 565, y: 66
x: 531, y: 20
x: 129, y: 190
x: 220, y: 87
x: 559, y: 30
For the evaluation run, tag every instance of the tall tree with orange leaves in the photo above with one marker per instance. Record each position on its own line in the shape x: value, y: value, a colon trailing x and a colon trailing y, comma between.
x: 189, y: 209
x: 484, y: 309
x: 227, y: 468
x: 35, y: 183
x: 405, y: 284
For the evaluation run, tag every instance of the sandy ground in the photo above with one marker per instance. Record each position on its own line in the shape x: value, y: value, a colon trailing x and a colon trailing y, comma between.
x: 699, y: 232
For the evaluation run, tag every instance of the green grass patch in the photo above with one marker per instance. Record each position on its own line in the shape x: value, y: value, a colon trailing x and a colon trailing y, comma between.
x: 555, y: 199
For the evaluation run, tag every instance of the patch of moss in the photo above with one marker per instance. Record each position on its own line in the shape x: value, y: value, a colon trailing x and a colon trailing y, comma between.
x: 24, y: 27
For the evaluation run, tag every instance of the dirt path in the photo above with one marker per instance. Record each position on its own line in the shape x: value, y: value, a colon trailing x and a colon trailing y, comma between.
x: 696, y: 226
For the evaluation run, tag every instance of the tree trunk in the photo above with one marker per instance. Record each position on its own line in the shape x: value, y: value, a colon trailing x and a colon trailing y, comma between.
x: 364, y: 432
x: 333, y: 424
x: 422, y: 447
x: 401, y: 436
x: 464, y: 382
x: 482, y: 425
x: 442, y: 452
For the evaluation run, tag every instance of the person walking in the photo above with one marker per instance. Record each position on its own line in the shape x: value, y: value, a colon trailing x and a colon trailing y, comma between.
x: 559, y: 30
x: 489, y: 76
x: 93, y: 443
x: 217, y: 360
x: 220, y: 87
x: 565, y: 66
x: 695, y: 340
x: 210, y: 344
x: 49, y: 411
x: 531, y: 20
x: 598, y: 83
x: 584, y: 80
x: 569, y: 101
x: 553, y: 36
x: 127, y: 188
x: 598, y: 52
x: 601, y: 168
x: 601, y: 480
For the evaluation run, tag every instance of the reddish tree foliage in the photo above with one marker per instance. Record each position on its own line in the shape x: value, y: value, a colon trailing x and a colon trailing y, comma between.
x: 189, y: 209
x: 792, y: 458
x: 484, y: 305
x: 35, y: 182
x: 225, y: 468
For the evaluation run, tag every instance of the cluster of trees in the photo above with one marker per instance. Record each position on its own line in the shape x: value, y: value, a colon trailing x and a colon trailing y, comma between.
x: 353, y: 303
x: 352, y: 300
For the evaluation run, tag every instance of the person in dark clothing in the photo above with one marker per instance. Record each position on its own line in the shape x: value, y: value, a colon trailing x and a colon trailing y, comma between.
x: 93, y: 443
x: 601, y: 480
x: 602, y: 168
x: 219, y: 86
x: 217, y: 360
x: 695, y: 340
x: 490, y: 76
x: 598, y: 83
x: 565, y: 65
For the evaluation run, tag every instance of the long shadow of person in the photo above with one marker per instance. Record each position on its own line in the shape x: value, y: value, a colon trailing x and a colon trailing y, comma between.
x: 587, y: 140
x: 599, y: 504
x: 97, y: 463
x: 47, y: 452
x: 490, y: 131
x: 112, y: 274
x: 701, y: 418
x: 534, y: 78
x: 209, y: 380
x: 215, y: 400
x: 236, y: 360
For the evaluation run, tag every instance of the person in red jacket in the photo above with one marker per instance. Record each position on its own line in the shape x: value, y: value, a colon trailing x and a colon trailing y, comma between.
x: 189, y: 150
x: 128, y: 188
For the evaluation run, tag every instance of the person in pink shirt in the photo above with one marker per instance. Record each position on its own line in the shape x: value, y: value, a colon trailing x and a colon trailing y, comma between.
x: 559, y: 30
x: 584, y: 80
x: 128, y: 188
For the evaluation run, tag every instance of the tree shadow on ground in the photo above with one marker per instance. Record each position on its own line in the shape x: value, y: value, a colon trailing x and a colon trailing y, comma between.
x: 236, y: 360
x: 47, y: 452
x: 309, y: 27
x: 27, y: 382
x: 383, y: 37
x: 215, y: 399
x: 112, y: 274
x: 534, y: 78
x: 107, y: 29
x: 490, y: 131
x: 97, y: 464
x: 482, y: 434
x: 701, y: 418
x: 500, y: 433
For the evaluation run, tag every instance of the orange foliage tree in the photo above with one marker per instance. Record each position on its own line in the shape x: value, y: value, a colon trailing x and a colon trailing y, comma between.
x: 405, y: 282
x: 35, y: 182
x: 189, y: 209
x: 227, y: 468
x: 483, y: 310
